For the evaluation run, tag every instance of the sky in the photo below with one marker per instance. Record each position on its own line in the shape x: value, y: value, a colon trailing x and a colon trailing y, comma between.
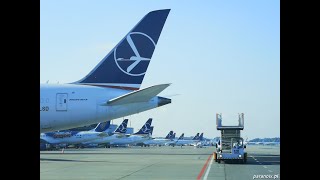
x: 220, y: 56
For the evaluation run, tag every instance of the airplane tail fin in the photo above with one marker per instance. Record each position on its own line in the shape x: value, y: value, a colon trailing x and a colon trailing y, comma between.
x: 201, y: 137
x: 101, y: 127
x: 145, y: 128
x: 151, y: 130
x: 169, y: 135
x: 122, y: 128
x: 181, y: 137
x: 174, y: 136
x: 196, y: 137
x: 125, y: 65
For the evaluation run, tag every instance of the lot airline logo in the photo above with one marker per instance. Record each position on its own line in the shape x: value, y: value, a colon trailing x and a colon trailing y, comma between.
x: 133, y: 55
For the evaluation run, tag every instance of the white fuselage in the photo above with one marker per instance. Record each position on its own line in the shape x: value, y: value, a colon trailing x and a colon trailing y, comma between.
x: 157, y: 141
x: 66, y: 138
x: 106, y: 140
x: 132, y: 139
x: 182, y: 142
x: 68, y: 106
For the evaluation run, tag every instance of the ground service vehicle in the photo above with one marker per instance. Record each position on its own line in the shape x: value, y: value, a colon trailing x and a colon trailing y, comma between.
x: 230, y: 145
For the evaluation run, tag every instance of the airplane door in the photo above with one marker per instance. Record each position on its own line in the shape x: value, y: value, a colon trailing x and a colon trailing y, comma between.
x: 62, y: 102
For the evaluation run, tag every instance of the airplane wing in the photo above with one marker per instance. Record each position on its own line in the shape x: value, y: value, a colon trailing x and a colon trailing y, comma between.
x: 142, y: 95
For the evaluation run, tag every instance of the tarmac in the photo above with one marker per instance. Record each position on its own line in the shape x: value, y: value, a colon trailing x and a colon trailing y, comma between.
x: 157, y: 163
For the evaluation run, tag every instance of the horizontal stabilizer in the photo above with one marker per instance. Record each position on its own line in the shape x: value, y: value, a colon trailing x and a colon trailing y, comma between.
x: 142, y: 95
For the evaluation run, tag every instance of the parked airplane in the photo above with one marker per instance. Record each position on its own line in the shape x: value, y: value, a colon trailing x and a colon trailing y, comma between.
x: 138, y: 137
x: 160, y: 141
x: 182, y: 142
x: 118, y: 133
x: 263, y: 142
x: 201, y: 142
x: 75, y: 137
x: 112, y: 89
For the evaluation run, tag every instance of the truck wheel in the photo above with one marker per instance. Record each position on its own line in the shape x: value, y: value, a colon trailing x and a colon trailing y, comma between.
x: 219, y: 161
x: 215, y: 156
x: 245, y: 158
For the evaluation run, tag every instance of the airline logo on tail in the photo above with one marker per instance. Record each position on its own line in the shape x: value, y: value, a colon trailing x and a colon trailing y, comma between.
x: 136, y: 41
x: 170, y: 135
x: 181, y: 137
x: 126, y: 64
x: 146, y: 127
x: 102, y: 126
x: 196, y: 137
x: 123, y: 126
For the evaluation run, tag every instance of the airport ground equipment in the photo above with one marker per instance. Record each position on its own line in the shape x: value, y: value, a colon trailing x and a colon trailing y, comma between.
x: 231, y: 145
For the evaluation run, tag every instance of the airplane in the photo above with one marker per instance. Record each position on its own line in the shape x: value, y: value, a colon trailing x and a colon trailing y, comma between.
x: 201, y: 141
x: 74, y: 137
x: 182, y: 142
x: 112, y: 89
x: 138, y: 137
x: 105, y: 141
x: 263, y: 142
x: 160, y: 141
x: 201, y: 137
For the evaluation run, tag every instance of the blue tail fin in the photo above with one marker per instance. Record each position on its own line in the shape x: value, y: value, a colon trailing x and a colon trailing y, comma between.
x: 122, y: 128
x: 196, y: 137
x: 145, y: 128
x: 102, y: 126
x: 174, y: 136
x: 181, y: 137
x: 126, y: 64
x: 201, y: 137
x: 151, y: 130
x: 170, y: 134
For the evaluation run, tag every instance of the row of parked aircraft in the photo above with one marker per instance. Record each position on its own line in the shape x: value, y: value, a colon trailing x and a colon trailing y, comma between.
x: 262, y: 143
x: 105, y: 134
x: 246, y: 142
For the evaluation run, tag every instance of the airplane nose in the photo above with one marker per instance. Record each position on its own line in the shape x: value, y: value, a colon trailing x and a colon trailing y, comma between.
x: 163, y: 101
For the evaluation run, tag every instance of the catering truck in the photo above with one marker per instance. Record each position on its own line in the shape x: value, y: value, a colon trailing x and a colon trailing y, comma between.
x: 230, y: 146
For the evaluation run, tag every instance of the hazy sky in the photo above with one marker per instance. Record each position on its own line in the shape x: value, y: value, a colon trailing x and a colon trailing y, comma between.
x: 220, y: 56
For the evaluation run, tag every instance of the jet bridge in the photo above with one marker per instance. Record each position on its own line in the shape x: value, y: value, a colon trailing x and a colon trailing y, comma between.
x: 231, y: 145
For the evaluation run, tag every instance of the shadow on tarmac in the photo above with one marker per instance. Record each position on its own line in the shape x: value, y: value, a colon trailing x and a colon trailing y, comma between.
x: 70, y: 160
x: 261, y: 159
x: 106, y: 153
